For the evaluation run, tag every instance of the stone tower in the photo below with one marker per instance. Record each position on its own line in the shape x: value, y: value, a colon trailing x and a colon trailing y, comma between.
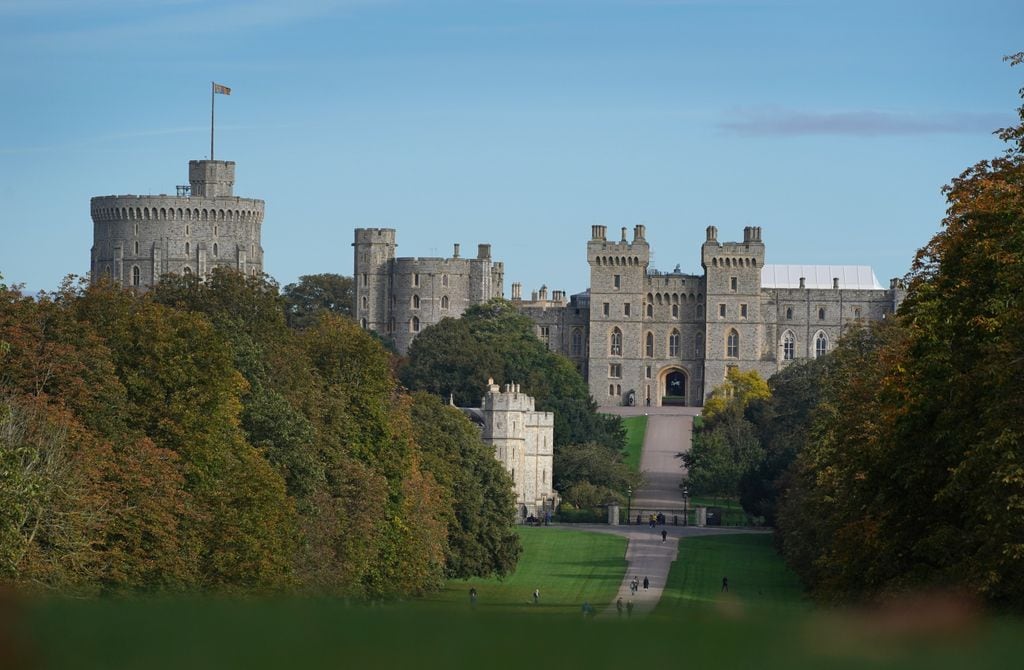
x: 618, y: 281
x: 374, y: 252
x: 138, y: 238
x: 523, y: 441
x: 735, y: 327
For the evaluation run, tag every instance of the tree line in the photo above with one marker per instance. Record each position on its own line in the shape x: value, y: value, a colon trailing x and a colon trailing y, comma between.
x: 896, y: 462
x: 191, y: 439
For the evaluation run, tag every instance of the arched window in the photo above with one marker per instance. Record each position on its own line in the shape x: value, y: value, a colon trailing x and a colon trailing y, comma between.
x: 673, y: 343
x: 649, y: 347
x: 732, y: 344
x: 415, y: 302
x: 444, y: 280
x: 820, y: 344
x: 136, y: 247
x: 577, y: 342
x: 444, y: 302
x: 215, y: 249
x: 650, y: 311
x: 788, y: 346
x: 675, y: 311
x: 789, y: 313
x: 698, y: 345
x: 362, y: 322
x: 136, y: 275
x: 616, y: 342
x: 366, y: 302
x: 414, y: 324
x: 188, y: 248
x: 856, y: 312
x: 611, y: 389
x: 821, y: 314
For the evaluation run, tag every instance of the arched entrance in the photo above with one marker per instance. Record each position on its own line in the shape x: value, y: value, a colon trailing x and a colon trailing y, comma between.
x: 674, y: 387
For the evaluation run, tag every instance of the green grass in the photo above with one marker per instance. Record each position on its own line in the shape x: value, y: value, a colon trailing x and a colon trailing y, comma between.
x: 569, y: 567
x: 635, y: 426
x: 758, y: 578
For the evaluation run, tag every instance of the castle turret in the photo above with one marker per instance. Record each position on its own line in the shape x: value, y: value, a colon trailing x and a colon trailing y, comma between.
x: 138, y: 238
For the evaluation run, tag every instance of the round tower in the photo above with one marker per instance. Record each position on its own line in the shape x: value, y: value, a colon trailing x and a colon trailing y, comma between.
x: 138, y: 238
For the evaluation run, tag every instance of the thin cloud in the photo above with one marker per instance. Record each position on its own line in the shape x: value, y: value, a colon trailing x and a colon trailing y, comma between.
x: 859, y: 123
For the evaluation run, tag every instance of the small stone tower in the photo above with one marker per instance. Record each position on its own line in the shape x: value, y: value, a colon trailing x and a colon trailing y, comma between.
x: 374, y: 252
x: 138, y: 238
x: 523, y: 441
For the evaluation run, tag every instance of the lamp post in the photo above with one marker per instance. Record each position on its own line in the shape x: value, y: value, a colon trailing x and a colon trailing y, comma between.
x: 686, y: 511
x: 629, y: 502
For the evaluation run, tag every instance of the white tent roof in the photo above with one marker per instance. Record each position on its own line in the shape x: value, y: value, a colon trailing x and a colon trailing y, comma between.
x: 819, y: 276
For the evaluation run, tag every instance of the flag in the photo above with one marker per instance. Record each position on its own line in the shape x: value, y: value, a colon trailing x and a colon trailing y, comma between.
x: 220, y: 88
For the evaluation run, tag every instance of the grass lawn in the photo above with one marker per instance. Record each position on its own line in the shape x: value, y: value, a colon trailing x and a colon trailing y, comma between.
x: 758, y: 578
x: 635, y: 426
x: 568, y: 566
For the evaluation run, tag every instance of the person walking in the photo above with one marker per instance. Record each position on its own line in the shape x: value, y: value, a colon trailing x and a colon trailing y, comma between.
x: 646, y: 583
x: 664, y: 534
x: 536, y: 596
x: 725, y: 584
x: 472, y: 596
x: 618, y: 605
x: 629, y: 609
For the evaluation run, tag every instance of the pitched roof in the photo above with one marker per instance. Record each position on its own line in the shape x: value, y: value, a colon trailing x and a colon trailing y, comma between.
x: 819, y: 276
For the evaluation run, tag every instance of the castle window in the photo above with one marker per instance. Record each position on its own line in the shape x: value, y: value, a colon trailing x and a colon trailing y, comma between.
x: 444, y: 302
x: 414, y: 324
x: 615, y: 370
x: 545, y: 335
x: 136, y: 275
x: 700, y: 311
x: 649, y: 345
x: 188, y: 248
x: 362, y: 323
x: 366, y: 302
x: 732, y: 283
x: 364, y: 279
x: 444, y: 280
x: 136, y: 247
x: 187, y: 270
x: 789, y: 313
x: 821, y: 314
x: 616, y: 342
x: 618, y: 389
x: 415, y: 302
x: 698, y: 345
x: 391, y: 325
x: 647, y: 372
x: 743, y: 311
x: 611, y: 389
x: 732, y: 345
x: 650, y: 311
x: 675, y: 311
x: 606, y: 309
x: 721, y: 310
x: 820, y: 345
x: 187, y: 230
x: 415, y: 278
x: 673, y: 343
x: 625, y: 309
x: 788, y: 346
x: 136, y: 230
x: 577, y: 342
x: 856, y: 312
x: 617, y: 280
x: 215, y: 230
x: 215, y: 250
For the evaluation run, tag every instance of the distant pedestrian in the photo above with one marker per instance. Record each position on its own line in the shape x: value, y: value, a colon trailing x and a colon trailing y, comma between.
x: 536, y: 596
x: 638, y: 519
x: 472, y: 596
x: 618, y: 605
x: 725, y: 584
x: 646, y: 583
x: 587, y: 609
x: 664, y: 534
x: 629, y: 609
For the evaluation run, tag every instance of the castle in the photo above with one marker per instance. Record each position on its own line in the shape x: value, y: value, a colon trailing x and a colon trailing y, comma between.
x: 639, y: 336
x: 523, y: 441
x: 137, y: 238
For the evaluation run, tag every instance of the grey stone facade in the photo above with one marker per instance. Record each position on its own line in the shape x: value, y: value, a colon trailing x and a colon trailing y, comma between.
x: 399, y: 297
x: 645, y: 337
x: 138, y: 238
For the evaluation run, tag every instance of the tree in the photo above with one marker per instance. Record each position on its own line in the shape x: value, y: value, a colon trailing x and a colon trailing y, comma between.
x: 313, y: 294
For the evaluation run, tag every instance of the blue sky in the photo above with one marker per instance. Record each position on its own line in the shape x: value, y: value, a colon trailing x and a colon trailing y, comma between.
x: 831, y: 124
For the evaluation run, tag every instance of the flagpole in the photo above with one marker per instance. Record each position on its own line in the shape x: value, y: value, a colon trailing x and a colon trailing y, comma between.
x: 212, y: 98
